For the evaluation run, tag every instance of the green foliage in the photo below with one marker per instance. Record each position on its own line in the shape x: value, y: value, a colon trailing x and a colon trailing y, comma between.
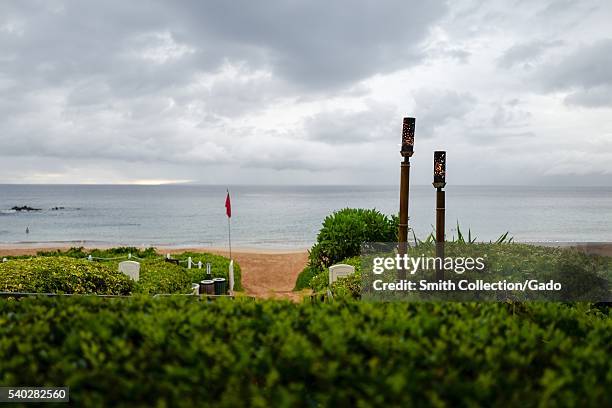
x: 162, y: 277
x: 461, y: 239
x: 156, y: 275
x: 80, y: 252
x: 342, y: 235
x: 306, y: 276
x: 62, y: 274
x: 180, y: 352
x: 348, y: 287
x: 582, y: 276
x: 503, y: 238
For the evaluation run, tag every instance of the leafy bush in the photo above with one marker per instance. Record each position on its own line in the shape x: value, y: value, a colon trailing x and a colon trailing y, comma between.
x: 62, y: 274
x: 342, y: 235
x: 348, y: 287
x: 158, y: 276
x: 306, y: 276
x: 346, y: 230
x: 180, y: 352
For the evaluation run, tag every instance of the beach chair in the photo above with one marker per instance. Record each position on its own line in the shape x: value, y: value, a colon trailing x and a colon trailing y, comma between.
x: 131, y: 269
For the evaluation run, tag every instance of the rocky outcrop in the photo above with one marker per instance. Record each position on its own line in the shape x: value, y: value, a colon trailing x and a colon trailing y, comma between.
x: 25, y: 208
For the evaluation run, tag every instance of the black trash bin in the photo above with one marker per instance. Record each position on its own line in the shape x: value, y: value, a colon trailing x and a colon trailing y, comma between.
x: 207, y: 287
x: 220, y: 286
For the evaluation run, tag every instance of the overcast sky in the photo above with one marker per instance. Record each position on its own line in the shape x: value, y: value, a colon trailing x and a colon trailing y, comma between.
x: 308, y: 92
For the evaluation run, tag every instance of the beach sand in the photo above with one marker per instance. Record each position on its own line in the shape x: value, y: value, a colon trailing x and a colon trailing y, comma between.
x: 265, y: 273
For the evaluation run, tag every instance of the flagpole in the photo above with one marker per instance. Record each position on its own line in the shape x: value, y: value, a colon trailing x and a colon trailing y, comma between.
x: 229, y: 223
x: 229, y: 234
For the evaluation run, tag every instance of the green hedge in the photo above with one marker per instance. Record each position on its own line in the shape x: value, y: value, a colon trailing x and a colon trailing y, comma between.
x: 81, y: 252
x: 62, y: 274
x: 156, y: 275
x: 181, y: 352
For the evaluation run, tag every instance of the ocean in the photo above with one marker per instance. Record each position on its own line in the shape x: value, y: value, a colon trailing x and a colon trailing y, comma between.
x: 287, y: 217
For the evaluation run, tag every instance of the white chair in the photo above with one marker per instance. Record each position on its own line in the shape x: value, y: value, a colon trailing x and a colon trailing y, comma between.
x: 131, y: 269
x: 339, y: 270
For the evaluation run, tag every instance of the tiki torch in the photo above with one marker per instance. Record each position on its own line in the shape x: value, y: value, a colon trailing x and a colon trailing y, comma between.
x: 439, y: 182
x: 406, y: 152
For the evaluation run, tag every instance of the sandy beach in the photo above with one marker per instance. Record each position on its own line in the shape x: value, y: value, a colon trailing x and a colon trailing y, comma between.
x: 266, y: 273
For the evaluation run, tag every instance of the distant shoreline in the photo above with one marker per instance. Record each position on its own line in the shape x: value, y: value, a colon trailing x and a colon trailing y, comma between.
x: 31, y: 248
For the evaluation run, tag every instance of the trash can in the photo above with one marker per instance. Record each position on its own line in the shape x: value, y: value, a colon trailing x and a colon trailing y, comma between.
x: 220, y: 286
x: 195, y: 288
x: 207, y: 287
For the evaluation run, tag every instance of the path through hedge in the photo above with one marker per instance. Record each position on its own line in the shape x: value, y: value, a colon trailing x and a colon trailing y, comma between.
x: 270, y: 275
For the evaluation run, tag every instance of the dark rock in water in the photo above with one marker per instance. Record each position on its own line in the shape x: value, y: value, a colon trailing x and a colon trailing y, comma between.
x: 25, y: 208
x: 57, y: 208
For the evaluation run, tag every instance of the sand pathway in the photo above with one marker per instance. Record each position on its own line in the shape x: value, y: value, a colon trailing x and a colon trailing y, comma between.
x: 270, y: 275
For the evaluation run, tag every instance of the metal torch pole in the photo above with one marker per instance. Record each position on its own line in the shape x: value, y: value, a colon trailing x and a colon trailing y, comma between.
x: 403, y: 216
x: 440, y: 209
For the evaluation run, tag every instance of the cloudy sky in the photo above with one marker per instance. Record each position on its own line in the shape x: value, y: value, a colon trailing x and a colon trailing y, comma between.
x: 308, y: 92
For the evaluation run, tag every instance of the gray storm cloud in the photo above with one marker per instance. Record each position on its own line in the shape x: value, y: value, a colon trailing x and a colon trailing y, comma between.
x: 307, y: 91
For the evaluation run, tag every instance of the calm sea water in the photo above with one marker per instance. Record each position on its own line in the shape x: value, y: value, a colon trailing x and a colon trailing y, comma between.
x: 288, y: 217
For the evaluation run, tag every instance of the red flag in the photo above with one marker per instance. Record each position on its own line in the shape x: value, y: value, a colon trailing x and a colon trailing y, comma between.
x: 228, y: 206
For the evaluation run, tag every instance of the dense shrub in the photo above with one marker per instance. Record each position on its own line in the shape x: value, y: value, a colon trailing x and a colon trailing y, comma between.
x: 180, y: 352
x: 158, y: 276
x: 62, y: 274
x: 306, y: 277
x: 348, y: 287
x: 342, y: 235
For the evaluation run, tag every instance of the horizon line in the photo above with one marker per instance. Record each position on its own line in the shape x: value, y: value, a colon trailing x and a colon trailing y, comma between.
x: 224, y: 185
